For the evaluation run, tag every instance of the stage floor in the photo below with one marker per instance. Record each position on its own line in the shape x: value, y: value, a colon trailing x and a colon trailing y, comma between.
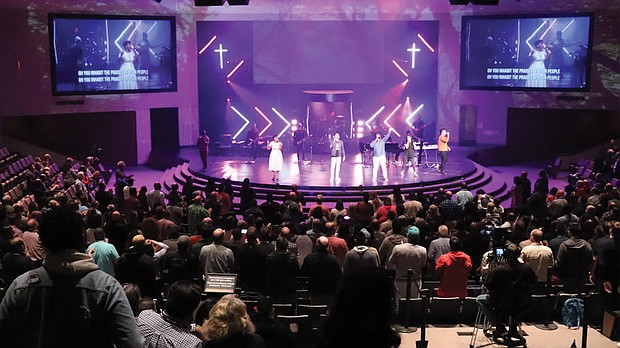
x: 316, y: 171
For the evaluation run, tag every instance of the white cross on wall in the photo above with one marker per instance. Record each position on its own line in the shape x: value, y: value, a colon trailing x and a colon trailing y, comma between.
x: 413, y: 50
x: 221, y: 52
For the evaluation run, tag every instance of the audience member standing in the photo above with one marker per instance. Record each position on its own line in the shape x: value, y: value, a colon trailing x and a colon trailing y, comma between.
x: 30, y: 317
x: 408, y: 256
x: 361, y: 255
x: 103, y: 253
x: 537, y: 255
x: 323, y: 272
x: 575, y: 259
x: 281, y: 269
x: 215, y: 257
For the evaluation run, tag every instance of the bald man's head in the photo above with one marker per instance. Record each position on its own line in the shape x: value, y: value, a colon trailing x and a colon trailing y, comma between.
x: 443, y: 231
x: 536, y: 236
x: 218, y: 236
x: 116, y: 216
x: 321, y: 243
x: 285, y: 231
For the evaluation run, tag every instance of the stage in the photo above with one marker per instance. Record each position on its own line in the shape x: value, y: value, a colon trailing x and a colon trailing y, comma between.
x: 315, y: 171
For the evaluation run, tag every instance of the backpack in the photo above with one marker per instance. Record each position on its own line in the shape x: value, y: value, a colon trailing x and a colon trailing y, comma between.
x: 572, y: 312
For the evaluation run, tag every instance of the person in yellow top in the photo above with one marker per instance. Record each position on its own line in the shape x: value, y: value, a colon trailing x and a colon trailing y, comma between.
x: 443, y: 148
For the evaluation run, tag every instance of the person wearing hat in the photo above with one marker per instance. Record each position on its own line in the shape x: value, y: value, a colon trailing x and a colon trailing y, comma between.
x: 361, y: 255
x: 408, y: 256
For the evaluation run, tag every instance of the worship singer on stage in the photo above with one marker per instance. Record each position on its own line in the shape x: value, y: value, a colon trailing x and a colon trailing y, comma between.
x: 409, y: 154
x: 203, y: 148
x: 275, y: 158
x: 418, y: 134
x: 378, y: 155
x: 251, y: 139
x: 299, y: 137
x: 443, y: 148
x: 336, y: 147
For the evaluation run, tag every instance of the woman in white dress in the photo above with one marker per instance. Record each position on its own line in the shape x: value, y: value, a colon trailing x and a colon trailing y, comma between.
x: 537, y: 72
x: 127, y: 71
x: 275, y: 158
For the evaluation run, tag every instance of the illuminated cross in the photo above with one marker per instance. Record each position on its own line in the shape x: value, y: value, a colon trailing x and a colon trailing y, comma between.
x: 413, y: 50
x: 221, y: 52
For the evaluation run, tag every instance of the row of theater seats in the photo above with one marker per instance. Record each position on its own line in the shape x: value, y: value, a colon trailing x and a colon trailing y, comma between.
x: 13, y: 175
x: 456, y: 311
x: 583, y: 170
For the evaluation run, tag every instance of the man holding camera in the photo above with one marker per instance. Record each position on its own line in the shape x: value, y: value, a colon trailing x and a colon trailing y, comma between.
x: 510, y: 290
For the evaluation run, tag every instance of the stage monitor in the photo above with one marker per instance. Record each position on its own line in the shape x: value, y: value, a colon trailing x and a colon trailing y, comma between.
x: 527, y: 52
x: 93, y: 54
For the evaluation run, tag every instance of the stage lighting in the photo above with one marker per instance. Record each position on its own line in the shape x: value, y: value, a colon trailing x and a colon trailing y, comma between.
x: 209, y: 2
x: 485, y: 2
x: 475, y: 2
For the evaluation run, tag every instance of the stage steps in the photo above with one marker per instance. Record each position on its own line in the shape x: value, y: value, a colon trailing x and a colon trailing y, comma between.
x: 480, y: 178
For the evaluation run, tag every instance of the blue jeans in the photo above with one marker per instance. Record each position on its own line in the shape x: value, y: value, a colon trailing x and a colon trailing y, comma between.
x: 486, y: 306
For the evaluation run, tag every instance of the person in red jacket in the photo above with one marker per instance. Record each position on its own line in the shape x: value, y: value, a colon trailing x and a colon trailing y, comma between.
x: 453, y: 270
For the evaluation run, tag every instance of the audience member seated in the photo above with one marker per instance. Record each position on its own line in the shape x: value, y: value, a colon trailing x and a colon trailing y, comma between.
x: 362, y: 310
x: 453, y: 271
x: 171, y: 328
x: 510, y: 290
x: 274, y: 333
x: 229, y: 326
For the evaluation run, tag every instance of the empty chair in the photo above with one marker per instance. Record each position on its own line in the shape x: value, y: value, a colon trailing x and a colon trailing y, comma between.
x: 554, y: 169
x: 444, y: 310
x: 416, y: 308
x: 283, y: 309
x: 536, y: 310
x: 303, y: 296
x: 302, y: 283
x: 316, y: 313
x: 301, y: 326
x: 474, y: 290
x: 469, y: 311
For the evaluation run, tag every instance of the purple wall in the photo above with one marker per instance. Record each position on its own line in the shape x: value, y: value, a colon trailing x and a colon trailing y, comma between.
x: 25, y: 71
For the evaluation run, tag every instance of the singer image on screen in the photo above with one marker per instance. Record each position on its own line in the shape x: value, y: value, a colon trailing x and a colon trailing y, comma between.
x: 537, y: 72
x: 378, y: 155
x: 203, y: 148
x: 443, y: 148
x: 127, y: 71
x: 336, y: 147
x: 275, y: 158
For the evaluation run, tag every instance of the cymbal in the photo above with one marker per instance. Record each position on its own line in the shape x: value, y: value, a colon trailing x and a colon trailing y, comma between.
x: 340, y: 116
